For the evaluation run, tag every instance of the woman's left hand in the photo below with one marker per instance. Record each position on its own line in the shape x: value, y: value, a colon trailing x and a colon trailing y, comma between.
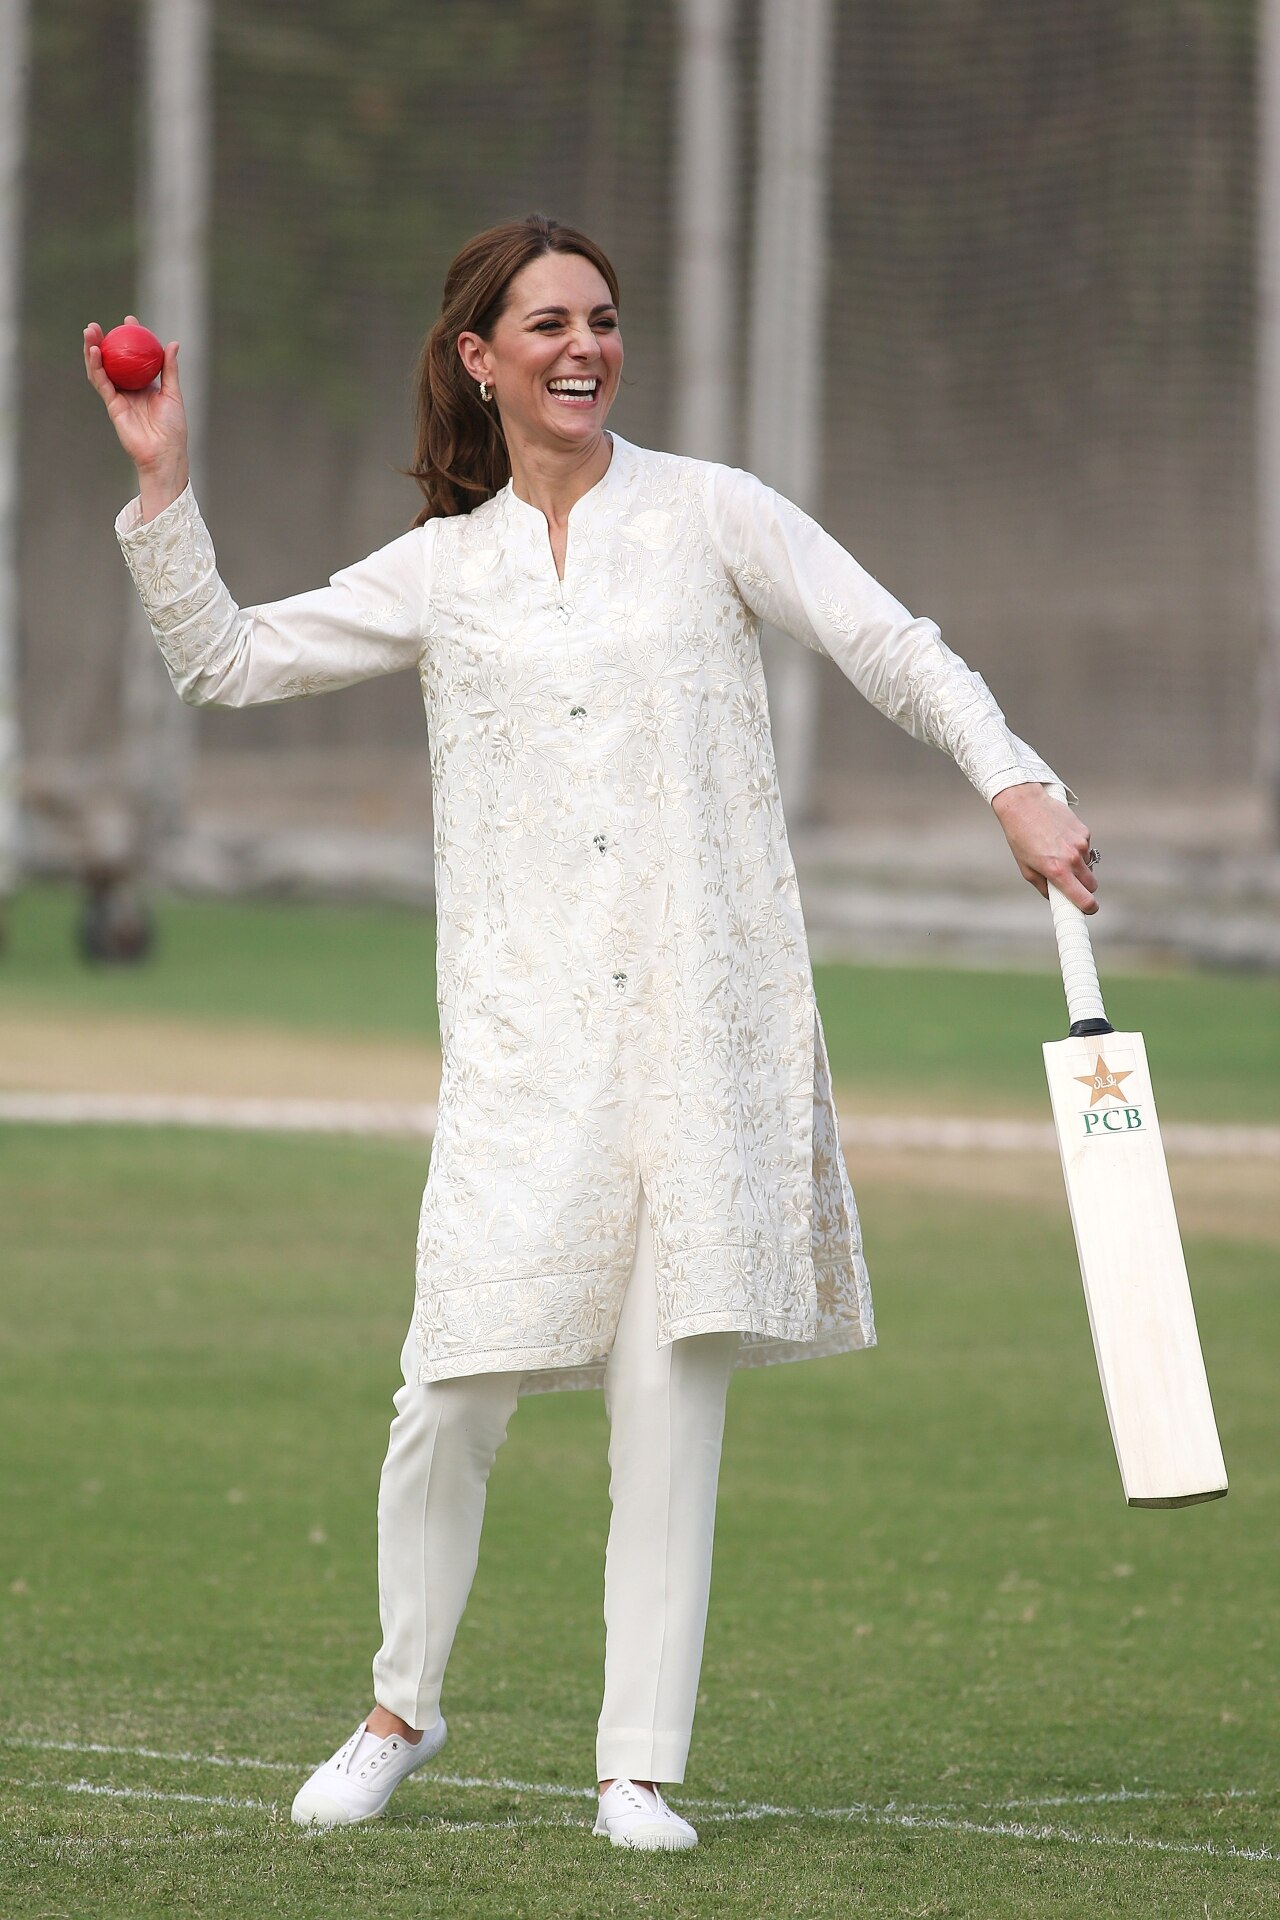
x: 1048, y: 842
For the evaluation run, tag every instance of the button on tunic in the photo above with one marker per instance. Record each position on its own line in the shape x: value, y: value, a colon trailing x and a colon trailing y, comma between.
x: 624, y: 985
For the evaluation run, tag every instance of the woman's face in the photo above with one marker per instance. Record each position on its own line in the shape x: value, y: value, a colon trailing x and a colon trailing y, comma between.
x: 559, y: 325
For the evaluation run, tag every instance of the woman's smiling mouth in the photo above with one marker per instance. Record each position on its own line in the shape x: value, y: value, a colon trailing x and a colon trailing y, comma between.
x: 574, y: 390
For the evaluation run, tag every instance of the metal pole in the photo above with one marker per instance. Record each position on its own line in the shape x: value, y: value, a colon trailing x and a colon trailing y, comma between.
x: 789, y: 274
x: 15, y: 55
x: 706, y: 224
x: 173, y: 221
x: 1268, y: 402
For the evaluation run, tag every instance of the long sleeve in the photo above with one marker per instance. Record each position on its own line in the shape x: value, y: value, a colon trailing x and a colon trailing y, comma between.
x: 792, y: 573
x: 371, y: 619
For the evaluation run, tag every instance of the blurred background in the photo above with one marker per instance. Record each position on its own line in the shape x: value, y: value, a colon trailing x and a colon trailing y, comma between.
x: 981, y: 287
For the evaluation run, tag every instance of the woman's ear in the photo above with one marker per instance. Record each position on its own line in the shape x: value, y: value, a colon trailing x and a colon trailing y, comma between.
x: 474, y: 354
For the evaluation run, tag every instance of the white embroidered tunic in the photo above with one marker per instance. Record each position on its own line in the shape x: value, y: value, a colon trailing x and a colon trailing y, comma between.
x: 625, y: 992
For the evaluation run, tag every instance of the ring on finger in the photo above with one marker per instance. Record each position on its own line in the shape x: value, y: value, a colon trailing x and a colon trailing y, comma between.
x: 1092, y: 857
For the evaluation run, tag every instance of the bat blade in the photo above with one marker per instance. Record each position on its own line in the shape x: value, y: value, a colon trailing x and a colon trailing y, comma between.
x: 1135, y: 1276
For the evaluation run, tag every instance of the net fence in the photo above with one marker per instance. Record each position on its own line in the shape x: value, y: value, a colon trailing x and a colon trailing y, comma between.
x: 1037, y: 384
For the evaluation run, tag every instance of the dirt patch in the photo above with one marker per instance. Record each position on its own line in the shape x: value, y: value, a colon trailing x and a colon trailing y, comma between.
x: 123, y: 1053
x: 76, y: 1052
x: 1225, y: 1199
x: 150, y: 1054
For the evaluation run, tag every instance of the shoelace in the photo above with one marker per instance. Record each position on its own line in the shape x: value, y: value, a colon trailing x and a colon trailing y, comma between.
x: 352, y: 1748
x: 640, y: 1803
x: 348, y: 1753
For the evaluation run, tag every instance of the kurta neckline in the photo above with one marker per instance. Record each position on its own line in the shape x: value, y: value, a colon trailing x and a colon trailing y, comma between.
x: 538, y: 528
x: 598, y: 487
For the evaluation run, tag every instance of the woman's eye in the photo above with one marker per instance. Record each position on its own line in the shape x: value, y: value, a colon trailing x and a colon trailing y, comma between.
x: 549, y: 326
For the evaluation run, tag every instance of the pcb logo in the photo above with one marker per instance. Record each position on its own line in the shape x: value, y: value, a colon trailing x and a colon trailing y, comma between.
x: 1106, y: 1083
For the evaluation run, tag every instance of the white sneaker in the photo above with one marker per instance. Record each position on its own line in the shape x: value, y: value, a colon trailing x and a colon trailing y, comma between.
x: 362, y: 1775
x: 635, y: 1816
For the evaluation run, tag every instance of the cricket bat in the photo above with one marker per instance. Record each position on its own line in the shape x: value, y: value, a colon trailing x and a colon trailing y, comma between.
x: 1131, y: 1260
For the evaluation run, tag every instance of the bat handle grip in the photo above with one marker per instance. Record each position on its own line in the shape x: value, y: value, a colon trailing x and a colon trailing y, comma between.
x: 1075, y: 957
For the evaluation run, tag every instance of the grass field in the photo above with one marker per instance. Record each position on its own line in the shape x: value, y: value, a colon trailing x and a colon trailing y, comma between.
x: 947, y: 1671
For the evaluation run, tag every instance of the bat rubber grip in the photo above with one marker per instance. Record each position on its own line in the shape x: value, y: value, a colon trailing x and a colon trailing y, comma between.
x: 1075, y: 957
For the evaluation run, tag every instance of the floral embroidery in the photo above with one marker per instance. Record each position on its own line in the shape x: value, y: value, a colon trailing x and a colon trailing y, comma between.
x: 623, y: 976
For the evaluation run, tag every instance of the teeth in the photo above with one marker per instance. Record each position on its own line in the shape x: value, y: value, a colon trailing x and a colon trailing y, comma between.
x: 571, y: 386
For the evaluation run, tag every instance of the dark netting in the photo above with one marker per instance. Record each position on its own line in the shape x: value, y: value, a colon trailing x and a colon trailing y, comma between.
x: 1037, y: 381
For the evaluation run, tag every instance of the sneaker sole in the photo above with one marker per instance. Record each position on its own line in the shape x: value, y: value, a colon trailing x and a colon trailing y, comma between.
x: 654, y: 1842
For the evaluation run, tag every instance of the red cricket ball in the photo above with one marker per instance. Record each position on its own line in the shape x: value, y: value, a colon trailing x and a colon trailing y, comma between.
x: 131, y: 357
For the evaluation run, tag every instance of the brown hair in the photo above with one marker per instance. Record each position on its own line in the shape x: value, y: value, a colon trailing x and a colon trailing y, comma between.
x: 460, y: 453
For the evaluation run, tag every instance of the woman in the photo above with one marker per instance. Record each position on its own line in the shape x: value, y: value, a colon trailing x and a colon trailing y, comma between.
x: 636, y: 1180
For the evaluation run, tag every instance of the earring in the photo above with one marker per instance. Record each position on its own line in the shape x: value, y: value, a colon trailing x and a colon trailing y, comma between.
x: 484, y: 390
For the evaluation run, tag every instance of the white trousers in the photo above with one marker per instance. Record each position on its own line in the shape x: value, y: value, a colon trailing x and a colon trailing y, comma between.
x: 665, y: 1407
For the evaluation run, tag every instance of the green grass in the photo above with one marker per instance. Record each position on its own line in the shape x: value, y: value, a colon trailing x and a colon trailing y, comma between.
x: 928, y: 1594
x: 965, y: 1039
x: 357, y: 969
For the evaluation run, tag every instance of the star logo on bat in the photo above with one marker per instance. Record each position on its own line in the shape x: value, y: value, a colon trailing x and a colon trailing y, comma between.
x: 1103, y: 1081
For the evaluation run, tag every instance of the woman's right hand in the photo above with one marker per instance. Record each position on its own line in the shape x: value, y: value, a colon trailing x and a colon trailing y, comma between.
x: 151, y: 425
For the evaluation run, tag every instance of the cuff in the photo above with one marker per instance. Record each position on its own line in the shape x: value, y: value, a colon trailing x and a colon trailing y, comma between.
x: 1018, y: 777
x: 172, y: 562
x: 131, y: 527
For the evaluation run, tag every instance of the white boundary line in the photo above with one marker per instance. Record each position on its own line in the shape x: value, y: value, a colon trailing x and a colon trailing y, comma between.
x: 944, y: 1817
x: 149, y: 1753
x: 151, y: 1793
x: 437, y: 1825
x: 856, y: 1815
x: 1114, y: 1796
x: 918, y: 1133
x: 197, y: 1110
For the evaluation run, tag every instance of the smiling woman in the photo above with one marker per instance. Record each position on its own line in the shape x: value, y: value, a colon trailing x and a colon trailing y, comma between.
x: 636, y: 1181
x: 523, y: 363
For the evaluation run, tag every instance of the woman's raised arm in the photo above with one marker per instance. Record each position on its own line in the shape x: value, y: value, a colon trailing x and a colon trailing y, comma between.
x: 371, y: 619
x: 791, y: 572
